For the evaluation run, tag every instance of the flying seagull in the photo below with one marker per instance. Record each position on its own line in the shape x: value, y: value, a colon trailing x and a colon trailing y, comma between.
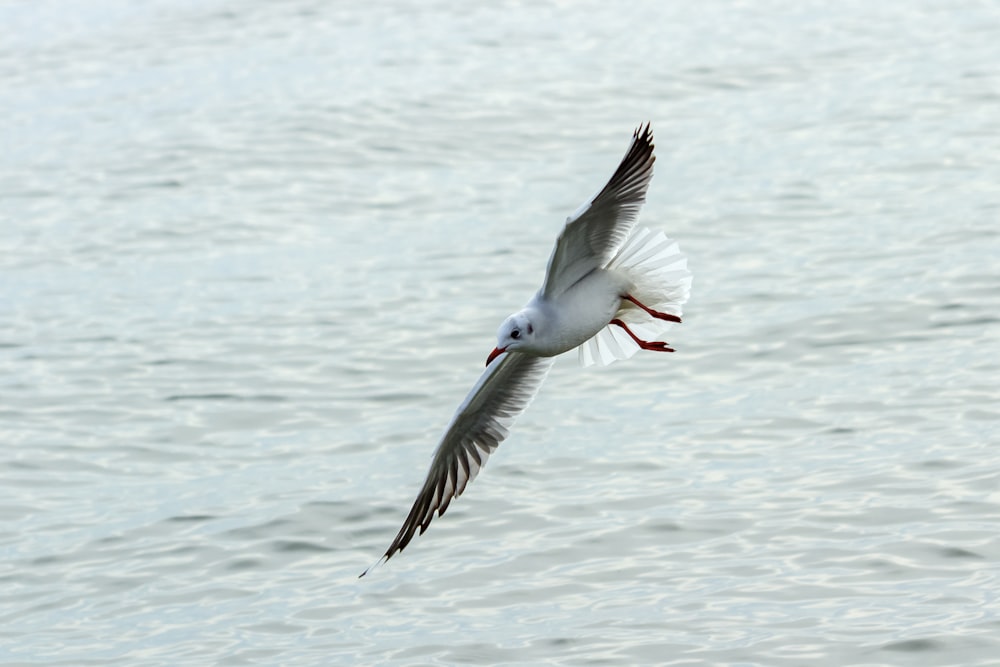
x: 609, y: 289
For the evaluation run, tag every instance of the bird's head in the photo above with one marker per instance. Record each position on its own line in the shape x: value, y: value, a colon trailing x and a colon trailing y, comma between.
x: 516, y: 333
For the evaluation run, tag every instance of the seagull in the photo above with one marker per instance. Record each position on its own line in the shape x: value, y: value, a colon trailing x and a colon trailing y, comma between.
x: 609, y: 287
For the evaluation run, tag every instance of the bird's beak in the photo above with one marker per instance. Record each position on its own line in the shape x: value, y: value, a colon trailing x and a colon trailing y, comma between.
x: 494, y: 354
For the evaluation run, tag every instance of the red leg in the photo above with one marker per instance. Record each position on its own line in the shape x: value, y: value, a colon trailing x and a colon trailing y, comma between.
x: 655, y: 313
x: 655, y: 345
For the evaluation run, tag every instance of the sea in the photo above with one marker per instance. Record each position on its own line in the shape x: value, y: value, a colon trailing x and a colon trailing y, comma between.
x: 254, y: 254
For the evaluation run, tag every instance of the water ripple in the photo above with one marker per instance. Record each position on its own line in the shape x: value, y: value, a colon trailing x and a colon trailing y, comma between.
x: 254, y: 256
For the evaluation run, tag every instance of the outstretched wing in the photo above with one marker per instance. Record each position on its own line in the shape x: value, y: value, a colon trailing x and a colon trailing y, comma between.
x: 480, y: 424
x: 597, y: 229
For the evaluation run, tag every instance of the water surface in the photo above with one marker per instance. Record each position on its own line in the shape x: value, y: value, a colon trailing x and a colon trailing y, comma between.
x: 253, y: 255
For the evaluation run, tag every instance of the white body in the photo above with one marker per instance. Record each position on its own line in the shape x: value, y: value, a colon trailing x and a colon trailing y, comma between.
x: 578, y: 314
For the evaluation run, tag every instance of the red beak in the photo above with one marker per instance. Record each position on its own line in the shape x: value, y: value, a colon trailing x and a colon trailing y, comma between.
x: 494, y: 354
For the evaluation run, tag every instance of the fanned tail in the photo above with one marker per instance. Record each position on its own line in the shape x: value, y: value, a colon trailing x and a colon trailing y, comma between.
x: 661, y: 281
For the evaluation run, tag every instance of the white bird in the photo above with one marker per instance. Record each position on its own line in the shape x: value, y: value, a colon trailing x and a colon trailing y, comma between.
x: 607, y: 291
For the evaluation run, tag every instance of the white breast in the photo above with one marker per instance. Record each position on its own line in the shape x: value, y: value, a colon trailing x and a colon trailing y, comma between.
x: 580, y: 312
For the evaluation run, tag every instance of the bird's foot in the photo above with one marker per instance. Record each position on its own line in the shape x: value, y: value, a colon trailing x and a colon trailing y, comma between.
x: 654, y: 313
x: 652, y: 345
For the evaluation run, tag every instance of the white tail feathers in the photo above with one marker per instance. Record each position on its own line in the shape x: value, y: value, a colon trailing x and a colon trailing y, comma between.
x: 660, y: 280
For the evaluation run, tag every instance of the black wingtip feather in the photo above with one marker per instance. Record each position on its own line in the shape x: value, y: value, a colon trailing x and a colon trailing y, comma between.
x: 638, y: 158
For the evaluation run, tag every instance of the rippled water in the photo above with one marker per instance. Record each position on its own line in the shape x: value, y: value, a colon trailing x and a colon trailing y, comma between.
x: 254, y: 254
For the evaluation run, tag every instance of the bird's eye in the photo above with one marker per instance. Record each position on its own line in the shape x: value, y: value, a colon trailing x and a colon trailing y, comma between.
x: 515, y: 334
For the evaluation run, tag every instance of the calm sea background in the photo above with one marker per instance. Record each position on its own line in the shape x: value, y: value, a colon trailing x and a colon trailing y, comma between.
x: 253, y: 255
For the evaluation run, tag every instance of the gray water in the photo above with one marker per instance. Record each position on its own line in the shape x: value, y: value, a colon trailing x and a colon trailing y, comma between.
x: 254, y: 254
